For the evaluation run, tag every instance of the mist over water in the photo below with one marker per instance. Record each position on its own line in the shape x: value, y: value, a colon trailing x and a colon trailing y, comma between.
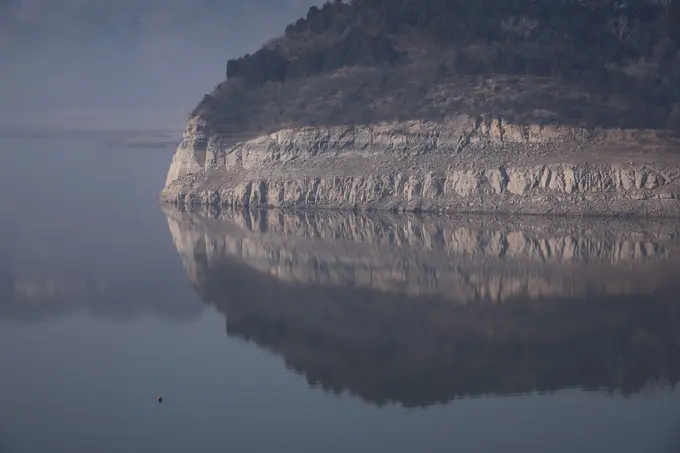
x: 289, y: 331
x: 286, y: 331
x: 123, y: 65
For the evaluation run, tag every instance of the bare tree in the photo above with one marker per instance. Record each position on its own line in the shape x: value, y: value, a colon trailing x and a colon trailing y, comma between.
x: 665, y: 3
x: 527, y: 25
x: 523, y: 26
x: 620, y: 27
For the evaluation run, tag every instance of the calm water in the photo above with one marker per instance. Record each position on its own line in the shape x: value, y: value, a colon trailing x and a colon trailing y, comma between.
x: 327, y: 332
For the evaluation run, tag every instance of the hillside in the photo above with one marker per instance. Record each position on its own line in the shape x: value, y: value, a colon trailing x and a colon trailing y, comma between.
x: 515, y: 106
x: 588, y: 63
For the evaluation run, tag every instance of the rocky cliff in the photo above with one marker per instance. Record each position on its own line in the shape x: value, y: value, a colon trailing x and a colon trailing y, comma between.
x: 461, y: 164
x: 523, y: 106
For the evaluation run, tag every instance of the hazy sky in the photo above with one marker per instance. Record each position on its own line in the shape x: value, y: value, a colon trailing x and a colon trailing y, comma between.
x: 124, y: 63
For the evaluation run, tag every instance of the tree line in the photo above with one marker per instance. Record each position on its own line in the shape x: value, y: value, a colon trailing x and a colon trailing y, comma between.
x: 625, y: 48
x: 568, y: 36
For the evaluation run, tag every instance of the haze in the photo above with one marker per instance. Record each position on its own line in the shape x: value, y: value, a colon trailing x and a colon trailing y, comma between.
x: 123, y: 64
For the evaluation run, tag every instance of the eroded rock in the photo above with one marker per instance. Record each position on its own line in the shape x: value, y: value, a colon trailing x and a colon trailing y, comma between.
x: 460, y: 164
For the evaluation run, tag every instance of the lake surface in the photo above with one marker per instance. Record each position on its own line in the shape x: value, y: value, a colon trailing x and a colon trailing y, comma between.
x: 329, y: 332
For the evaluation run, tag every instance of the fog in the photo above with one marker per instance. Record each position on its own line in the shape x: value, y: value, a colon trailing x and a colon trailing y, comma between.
x: 123, y: 64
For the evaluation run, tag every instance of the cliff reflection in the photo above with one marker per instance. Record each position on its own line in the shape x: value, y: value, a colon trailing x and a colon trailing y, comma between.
x: 420, y: 310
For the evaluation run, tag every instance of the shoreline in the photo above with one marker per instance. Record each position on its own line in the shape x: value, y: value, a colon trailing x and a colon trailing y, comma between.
x: 460, y: 165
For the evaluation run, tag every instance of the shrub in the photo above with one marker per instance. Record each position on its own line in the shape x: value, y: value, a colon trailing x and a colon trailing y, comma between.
x: 673, y: 120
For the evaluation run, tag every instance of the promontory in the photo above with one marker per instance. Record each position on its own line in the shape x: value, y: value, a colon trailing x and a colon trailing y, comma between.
x: 518, y: 106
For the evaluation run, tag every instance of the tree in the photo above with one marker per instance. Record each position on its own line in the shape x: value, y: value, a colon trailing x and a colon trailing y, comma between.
x: 301, y: 26
x: 290, y: 30
x: 232, y: 69
x: 666, y: 4
x: 620, y: 27
x: 673, y: 121
x: 522, y: 26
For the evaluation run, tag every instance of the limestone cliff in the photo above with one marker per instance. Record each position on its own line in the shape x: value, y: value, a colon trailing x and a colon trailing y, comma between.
x: 458, y: 164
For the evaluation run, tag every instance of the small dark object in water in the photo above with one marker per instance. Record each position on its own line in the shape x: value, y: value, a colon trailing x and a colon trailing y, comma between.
x: 159, y: 399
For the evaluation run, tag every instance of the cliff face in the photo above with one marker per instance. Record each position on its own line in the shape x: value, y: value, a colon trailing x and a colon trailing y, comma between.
x: 443, y: 106
x: 459, y: 164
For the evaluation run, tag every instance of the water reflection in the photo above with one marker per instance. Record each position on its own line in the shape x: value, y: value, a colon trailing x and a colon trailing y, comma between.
x: 34, y: 294
x: 421, y: 310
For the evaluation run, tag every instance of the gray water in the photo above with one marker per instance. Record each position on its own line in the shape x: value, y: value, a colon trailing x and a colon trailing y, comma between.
x: 318, y: 332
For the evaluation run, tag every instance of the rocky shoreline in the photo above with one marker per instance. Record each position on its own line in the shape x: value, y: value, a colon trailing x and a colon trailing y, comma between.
x: 461, y: 164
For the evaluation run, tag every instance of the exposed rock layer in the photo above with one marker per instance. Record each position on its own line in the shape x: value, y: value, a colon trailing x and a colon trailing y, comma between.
x: 461, y: 164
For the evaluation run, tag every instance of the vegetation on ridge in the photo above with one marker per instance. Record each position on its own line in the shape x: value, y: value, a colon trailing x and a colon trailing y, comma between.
x: 586, y: 62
